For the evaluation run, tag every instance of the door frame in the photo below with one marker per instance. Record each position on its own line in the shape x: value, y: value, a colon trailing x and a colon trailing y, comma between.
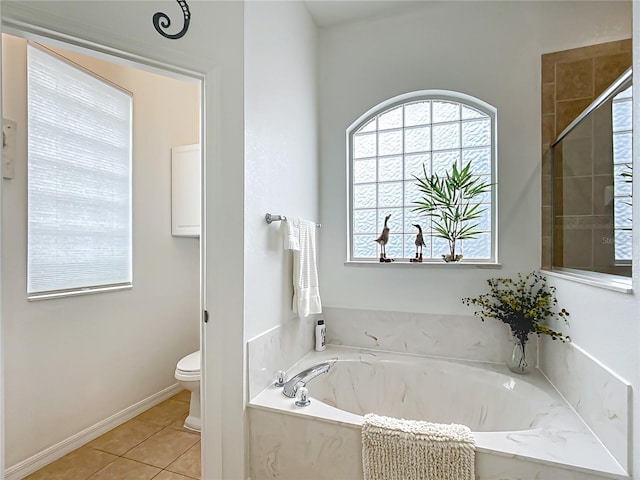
x: 210, y: 113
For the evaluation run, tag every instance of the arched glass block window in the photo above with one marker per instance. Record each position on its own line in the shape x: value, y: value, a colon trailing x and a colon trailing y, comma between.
x: 391, y: 144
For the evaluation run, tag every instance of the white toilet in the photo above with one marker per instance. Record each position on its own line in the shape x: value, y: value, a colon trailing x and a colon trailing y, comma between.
x: 188, y: 375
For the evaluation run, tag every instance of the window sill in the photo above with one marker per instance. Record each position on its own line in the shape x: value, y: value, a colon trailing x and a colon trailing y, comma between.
x: 75, y: 293
x: 430, y: 264
x: 594, y: 279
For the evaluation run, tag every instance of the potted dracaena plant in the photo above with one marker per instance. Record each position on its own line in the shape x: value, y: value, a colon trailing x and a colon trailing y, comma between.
x: 452, y: 204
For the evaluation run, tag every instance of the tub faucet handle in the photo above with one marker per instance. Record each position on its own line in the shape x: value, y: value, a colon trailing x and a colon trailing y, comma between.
x: 281, y: 378
x: 302, y: 397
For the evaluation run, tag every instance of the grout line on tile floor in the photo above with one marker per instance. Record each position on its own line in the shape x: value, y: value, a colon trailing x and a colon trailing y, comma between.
x: 166, y: 428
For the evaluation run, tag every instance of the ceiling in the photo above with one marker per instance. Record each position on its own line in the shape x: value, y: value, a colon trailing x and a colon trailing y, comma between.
x: 332, y: 12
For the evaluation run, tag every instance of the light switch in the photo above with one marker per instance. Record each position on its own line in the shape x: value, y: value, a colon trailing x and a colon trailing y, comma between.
x: 8, y: 148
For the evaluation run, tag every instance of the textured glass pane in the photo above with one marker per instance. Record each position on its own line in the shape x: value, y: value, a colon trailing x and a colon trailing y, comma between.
x: 417, y: 114
x: 370, y: 126
x: 623, y: 244
x: 445, y: 111
x: 480, y: 159
x: 364, y: 145
x: 484, y: 220
x: 390, y: 194
x: 622, y: 184
x: 622, y: 148
x: 477, y: 248
x: 364, y: 171
x: 395, y: 222
x: 484, y: 197
x: 622, y: 213
x: 443, y: 162
x: 394, y: 247
x: 364, y: 196
x: 476, y: 133
x: 364, y: 246
x: 390, y: 169
x: 390, y: 143
x: 622, y: 116
x: 622, y: 190
x: 410, y: 248
x: 411, y: 193
x: 468, y: 112
x: 413, y: 165
x: 411, y: 217
x: 390, y: 119
x: 446, y: 136
x: 440, y: 247
x: 625, y: 93
x: 417, y: 139
x: 364, y: 221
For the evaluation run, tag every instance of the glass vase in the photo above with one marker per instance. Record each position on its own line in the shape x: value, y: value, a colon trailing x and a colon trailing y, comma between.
x: 518, y: 361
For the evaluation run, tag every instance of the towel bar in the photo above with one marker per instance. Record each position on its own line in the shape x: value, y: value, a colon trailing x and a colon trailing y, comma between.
x: 277, y: 218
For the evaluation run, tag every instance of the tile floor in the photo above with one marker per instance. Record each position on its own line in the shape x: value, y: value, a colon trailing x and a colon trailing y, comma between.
x: 153, y: 445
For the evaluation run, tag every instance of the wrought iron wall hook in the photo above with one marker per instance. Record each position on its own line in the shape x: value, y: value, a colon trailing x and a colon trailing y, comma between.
x: 161, y: 21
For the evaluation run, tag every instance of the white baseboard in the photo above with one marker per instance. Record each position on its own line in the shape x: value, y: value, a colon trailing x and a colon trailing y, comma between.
x: 53, y: 453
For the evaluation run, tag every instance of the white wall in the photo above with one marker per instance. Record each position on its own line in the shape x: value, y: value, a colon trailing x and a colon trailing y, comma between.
x: 490, y: 50
x: 213, y: 47
x: 94, y: 355
x: 607, y: 323
x: 281, y: 152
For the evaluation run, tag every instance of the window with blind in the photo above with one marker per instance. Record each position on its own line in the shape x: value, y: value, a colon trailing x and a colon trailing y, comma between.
x: 79, y: 179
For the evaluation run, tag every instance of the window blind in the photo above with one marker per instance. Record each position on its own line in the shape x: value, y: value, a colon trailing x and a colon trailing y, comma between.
x: 79, y: 178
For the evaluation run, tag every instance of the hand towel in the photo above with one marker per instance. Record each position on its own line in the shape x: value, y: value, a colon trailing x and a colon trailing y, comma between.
x: 398, y: 449
x: 292, y: 234
x: 306, y: 291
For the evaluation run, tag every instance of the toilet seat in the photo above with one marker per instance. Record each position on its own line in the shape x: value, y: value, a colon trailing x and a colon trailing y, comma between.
x: 187, y: 377
x: 188, y: 368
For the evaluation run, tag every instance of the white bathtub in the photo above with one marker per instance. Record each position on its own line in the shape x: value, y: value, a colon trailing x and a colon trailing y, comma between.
x: 513, y: 417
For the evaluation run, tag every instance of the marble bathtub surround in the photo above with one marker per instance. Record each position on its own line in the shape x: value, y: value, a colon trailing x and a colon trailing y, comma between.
x: 449, y: 336
x: 278, y: 349
x: 283, y: 446
x: 520, y: 423
x: 598, y: 395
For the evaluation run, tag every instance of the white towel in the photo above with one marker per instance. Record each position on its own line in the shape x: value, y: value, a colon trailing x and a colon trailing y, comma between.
x: 292, y: 234
x: 306, y: 291
x: 397, y: 449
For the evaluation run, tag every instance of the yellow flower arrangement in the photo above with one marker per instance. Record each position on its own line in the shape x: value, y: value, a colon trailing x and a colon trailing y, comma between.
x: 524, y: 305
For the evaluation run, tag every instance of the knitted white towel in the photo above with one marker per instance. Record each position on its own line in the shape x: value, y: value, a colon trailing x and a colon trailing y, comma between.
x: 398, y: 449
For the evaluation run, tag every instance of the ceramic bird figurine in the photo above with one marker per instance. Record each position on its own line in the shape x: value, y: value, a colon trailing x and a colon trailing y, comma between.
x: 383, y: 239
x: 419, y: 244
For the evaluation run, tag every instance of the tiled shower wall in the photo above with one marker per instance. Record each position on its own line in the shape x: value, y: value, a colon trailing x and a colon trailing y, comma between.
x: 571, y: 80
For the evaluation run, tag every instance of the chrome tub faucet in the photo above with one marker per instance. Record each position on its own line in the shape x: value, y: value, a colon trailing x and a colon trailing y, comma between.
x: 301, y: 379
